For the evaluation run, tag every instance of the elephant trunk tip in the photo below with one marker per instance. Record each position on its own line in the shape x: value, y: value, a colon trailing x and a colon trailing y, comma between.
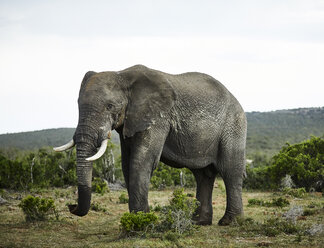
x: 74, y: 209
x: 84, y: 201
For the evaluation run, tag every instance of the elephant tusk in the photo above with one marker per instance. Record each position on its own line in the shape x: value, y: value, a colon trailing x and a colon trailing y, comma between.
x: 101, y: 151
x: 64, y: 147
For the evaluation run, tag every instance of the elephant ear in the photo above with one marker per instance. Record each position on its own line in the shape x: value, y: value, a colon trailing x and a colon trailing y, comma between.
x: 86, y: 77
x: 151, y: 96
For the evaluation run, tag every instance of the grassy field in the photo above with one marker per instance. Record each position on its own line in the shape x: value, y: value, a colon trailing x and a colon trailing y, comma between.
x: 101, y: 228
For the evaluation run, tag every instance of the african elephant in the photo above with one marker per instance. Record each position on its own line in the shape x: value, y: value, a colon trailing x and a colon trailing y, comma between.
x: 188, y: 120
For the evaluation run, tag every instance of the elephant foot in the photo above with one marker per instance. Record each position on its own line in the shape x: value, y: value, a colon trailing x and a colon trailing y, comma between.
x: 199, y: 220
x: 227, y: 219
x: 203, y: 222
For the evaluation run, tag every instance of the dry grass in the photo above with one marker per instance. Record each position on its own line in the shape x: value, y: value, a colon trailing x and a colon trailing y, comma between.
x: 101, y: 229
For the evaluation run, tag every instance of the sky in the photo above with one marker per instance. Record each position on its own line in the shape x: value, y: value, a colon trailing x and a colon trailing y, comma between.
x: 268, y: 53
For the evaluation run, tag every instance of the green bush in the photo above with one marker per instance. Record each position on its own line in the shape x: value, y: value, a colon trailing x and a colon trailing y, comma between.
x: 304, y: 162
x: 134, y: 223
x: 166, y: 176
x: 279, y: 202
x: 99, y: 186
x: 177, y: 216
x: 299, y: 193
x: 257, y: 178
x: 123, y: 199
x: 174, y: 219
x: 36, y: 208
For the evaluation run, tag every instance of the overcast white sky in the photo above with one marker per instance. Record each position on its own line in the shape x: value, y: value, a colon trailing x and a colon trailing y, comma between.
x: 268, y: 53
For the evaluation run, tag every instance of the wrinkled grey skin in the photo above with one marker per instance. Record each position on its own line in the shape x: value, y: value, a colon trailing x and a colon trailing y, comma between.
x: 188, y: 120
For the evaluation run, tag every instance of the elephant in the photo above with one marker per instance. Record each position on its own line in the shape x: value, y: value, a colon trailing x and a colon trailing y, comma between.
x: 185, y: 120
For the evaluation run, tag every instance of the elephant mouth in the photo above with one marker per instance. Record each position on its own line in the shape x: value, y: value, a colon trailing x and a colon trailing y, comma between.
x: 101, y: 150
x: 99, y: 153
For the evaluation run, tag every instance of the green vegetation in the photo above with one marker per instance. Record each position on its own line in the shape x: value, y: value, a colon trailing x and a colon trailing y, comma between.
x: 95, y: 206
x: 262, y: 226
x: 43, y: 168
x: 303, y: 162
x: 277, y: 202
x: 268, y: 131
x: 36, y: 208
x: 135, y: 223
x: 291, y: 214
x: 36, y: 139
x: 99, y: 186
x: 270, y: 227
x: 174, y: 218
x: 166, y: 176
x: 123, y: 198
x: 257, y: 178
x: 299, y: 193
x: 177, y: 216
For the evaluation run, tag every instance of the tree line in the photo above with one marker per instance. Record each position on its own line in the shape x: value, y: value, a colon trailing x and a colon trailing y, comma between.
x: 302, y: 162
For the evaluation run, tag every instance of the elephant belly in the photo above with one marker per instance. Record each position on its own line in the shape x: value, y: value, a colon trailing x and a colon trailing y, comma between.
x: 190, y: 152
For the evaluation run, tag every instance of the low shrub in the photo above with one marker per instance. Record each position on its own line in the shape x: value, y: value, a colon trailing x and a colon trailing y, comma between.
x: 270, y: 227
x: 178, y: 215
x: 274, y: 226
x: 99, y: 186
x: 137, y: 223
x: 95, y: 206
x: 174, y: 219
x: 279, y: 202
x: 276, y: 202
x: 299, y: 193
x: 123, y: 199
x: 36, y: 208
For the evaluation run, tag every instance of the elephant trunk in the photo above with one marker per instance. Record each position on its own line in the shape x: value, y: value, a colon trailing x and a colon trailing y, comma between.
x: 84, y: 174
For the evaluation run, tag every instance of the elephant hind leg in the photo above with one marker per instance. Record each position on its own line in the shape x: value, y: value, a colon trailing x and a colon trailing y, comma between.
x: 205, y: 183
x: 232, y: 169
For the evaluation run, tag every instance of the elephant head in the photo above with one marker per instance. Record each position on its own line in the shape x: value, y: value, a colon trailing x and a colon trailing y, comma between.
x: 129, y: 101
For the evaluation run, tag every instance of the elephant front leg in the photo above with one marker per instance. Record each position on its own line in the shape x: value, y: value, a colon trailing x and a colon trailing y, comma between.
x: 145, y: 155
x: 139, y: 181
x: 125, y: 155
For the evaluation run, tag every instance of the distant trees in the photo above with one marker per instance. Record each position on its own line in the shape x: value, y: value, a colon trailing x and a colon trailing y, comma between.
x: 38, y: 169
x: 302, y: 162
x: 46, y: 168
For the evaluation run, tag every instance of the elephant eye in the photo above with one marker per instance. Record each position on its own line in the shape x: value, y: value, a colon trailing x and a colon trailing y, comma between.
x: 109, y: 106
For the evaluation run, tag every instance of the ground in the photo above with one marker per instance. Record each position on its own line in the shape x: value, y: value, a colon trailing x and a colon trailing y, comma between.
x: 101, y: 228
